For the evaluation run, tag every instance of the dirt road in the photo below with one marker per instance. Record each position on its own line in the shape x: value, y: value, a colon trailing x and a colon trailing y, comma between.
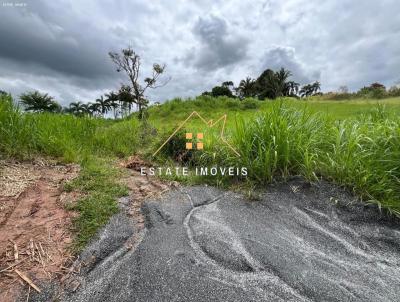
x: 297, y: 243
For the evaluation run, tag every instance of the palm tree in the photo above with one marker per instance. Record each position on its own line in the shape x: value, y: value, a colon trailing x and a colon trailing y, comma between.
x: 291, y: 88
x: 316, y: 87
x: 37, y: 102
x: 85, y: 109
x: 246, y: 88
x: 74, y: 108
x: 272, y: 84
x: 263, y: 83
x: 77, y: 108
x: 280, y: 82
x: 310, y: 89
x: 94, y: 108
x: 305, y: 91
x: 127, y: 99
x: 227, y: 84
x: 103, y: 104
x: 112, y: 99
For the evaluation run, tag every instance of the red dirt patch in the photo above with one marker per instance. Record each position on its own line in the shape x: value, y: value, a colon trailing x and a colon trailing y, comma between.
x: 142, y: 187
x: 34, y: 225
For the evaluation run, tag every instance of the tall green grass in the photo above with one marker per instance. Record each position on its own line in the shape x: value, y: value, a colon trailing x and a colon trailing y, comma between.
x: 361, y: 153
x: 276, y: 140
x: 15, y: 131
x: 70, y: 138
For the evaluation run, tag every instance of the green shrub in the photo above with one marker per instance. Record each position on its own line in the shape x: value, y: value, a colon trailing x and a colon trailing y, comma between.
x: 374, y: 92
x: 232, y: 104
x: 249, y: 104
x: 175, y: 148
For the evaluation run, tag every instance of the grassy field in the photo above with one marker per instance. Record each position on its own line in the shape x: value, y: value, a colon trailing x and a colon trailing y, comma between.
x: 345, y: 109
x: 353, y: 143
x: 176, y: 110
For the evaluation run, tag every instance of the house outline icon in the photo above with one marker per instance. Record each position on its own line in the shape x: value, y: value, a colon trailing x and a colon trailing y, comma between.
x: 209, y: 124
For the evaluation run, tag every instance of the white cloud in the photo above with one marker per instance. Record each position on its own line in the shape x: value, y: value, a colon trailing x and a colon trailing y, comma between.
x: 61, y: 47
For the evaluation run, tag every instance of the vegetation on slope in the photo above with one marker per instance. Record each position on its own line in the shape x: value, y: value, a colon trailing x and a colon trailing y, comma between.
x: 72, y: 138
x: 355, y: 144
x: 361, y: 153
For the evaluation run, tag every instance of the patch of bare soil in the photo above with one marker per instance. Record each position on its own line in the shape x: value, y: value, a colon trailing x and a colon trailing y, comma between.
x: 142, y: 187
x: 34, y: 225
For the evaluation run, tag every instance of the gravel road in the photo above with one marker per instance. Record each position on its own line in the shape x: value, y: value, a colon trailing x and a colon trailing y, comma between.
x: 296, y: 243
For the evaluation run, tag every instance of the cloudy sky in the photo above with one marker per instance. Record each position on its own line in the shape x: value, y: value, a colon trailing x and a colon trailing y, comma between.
x: 61, y: 47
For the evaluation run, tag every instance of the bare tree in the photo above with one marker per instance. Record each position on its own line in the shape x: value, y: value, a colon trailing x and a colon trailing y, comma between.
x: 129, y: 62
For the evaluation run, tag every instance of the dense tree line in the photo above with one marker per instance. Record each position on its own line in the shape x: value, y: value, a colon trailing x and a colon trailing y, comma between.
x: 119, y: 103
x: 270, y: 84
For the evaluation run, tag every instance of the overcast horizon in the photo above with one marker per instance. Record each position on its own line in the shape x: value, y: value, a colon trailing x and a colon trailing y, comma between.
x: 62, y: 47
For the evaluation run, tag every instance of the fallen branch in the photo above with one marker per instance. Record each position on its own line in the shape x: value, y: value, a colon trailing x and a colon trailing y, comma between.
x: 27, y: 280
x: 12, y: 265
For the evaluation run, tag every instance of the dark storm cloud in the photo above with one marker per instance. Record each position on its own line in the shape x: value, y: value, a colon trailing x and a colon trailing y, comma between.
x: 218, y: 46
x: 61, y: 47
x: 28, y: 38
